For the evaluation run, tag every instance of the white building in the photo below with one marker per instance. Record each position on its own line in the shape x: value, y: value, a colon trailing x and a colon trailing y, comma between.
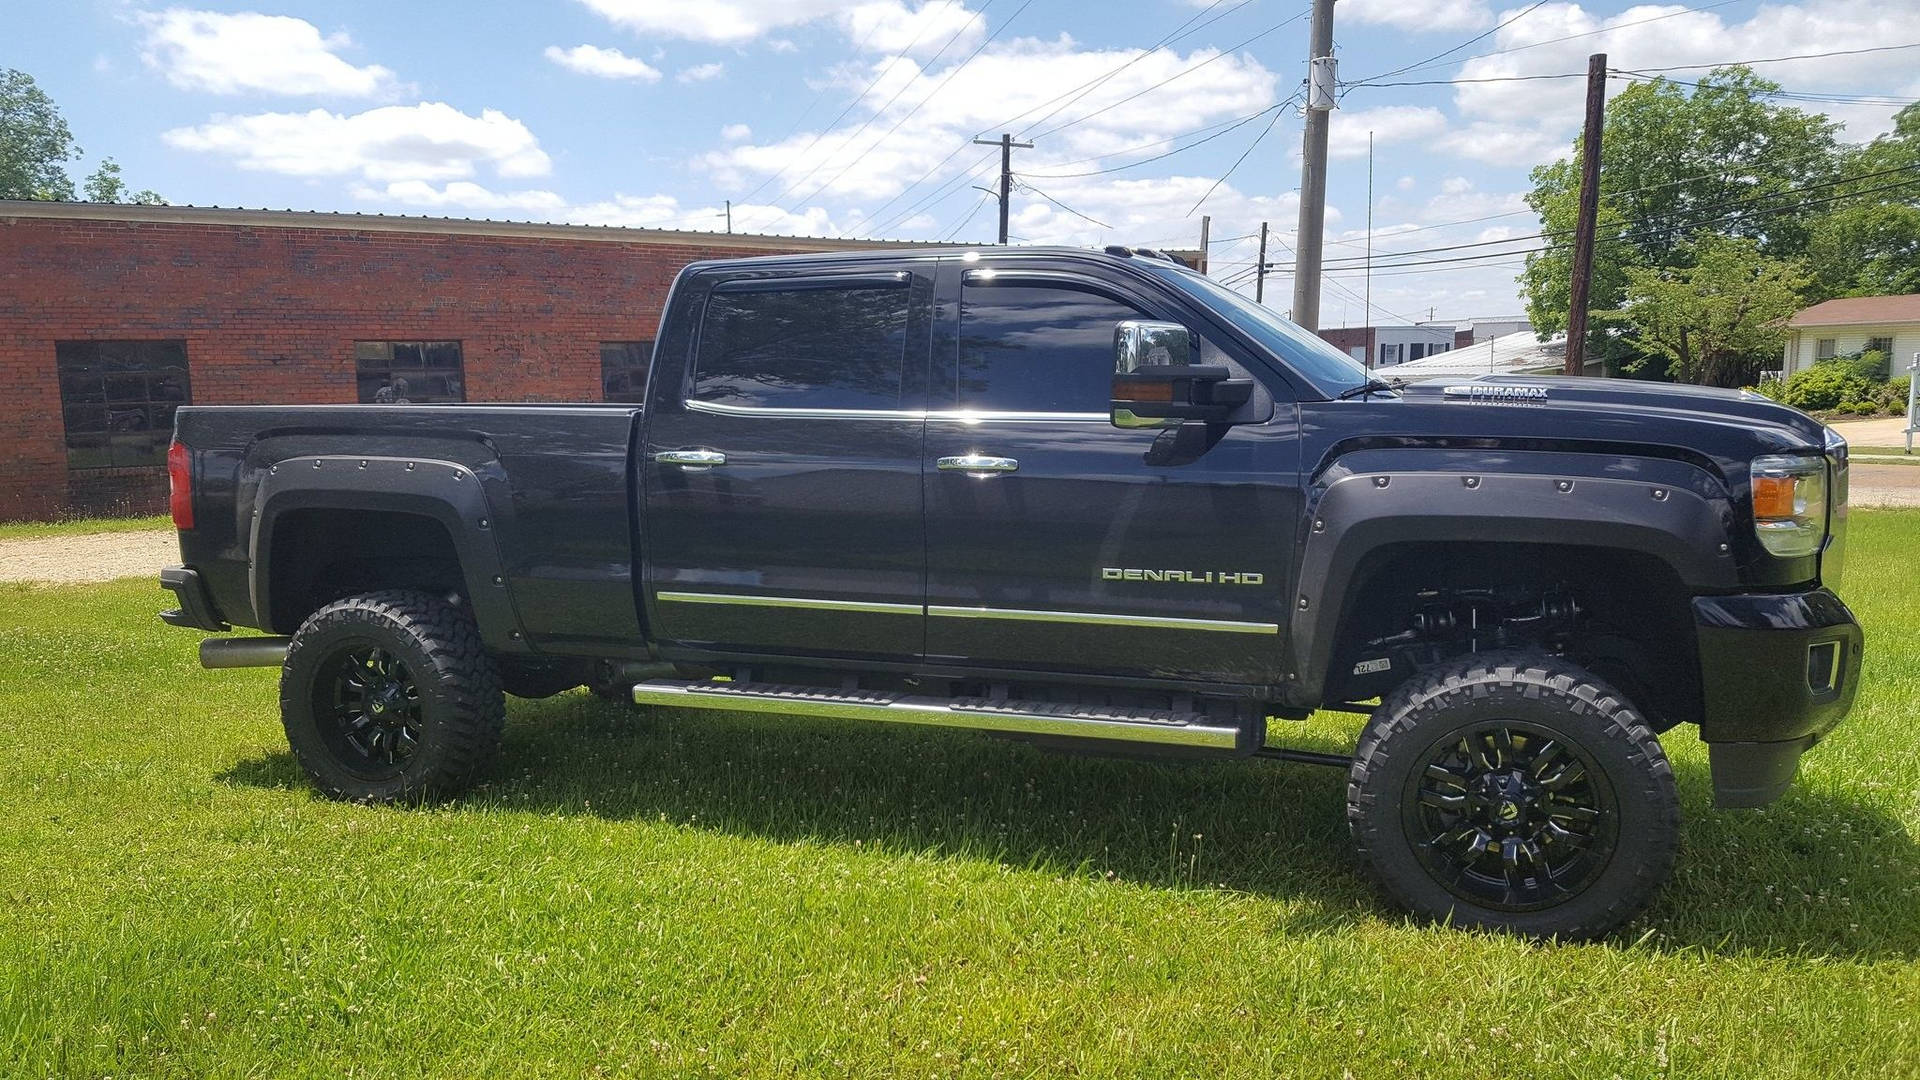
x: 1519, y: 353
x: 1488, y: 329
x: 1889, y: 324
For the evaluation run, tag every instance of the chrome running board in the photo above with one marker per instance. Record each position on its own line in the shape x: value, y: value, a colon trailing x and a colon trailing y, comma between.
x: 979, y: 714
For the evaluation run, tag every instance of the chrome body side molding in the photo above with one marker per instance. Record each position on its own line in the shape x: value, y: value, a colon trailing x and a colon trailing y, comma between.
x: 945, y: 611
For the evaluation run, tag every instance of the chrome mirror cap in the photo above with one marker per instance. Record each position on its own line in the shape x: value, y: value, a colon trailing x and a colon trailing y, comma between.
x: 1141, y: 343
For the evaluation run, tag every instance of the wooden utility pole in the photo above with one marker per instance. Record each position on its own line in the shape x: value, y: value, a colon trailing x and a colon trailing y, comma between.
x: 1589, y: 213
x: 1206, y: 239
x: 1260, y: 269
x: 1006, y: 144
x: 1313, y: 169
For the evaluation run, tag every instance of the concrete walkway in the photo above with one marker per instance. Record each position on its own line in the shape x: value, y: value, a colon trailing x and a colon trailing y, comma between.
x: 66, y: 560
x: 1890, y: 432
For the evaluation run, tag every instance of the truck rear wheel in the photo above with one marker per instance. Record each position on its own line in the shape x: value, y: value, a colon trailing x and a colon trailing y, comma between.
x: 389, y: 697
x: 1517, y: 792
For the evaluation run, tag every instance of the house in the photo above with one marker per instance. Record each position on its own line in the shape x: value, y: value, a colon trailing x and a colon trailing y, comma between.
x: 1390, y: 345
x: 1855, y: 324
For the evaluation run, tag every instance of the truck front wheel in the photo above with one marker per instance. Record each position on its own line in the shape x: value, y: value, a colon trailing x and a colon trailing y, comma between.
x: 1517, y: 792
x: 389, y: 697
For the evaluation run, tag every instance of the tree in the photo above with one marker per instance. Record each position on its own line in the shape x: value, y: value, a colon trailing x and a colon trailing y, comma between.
x: 35, y: 144
x: 106, y: 186
x: 1718, y: 320
x: 1869, y: 244
x: 1722, y: 159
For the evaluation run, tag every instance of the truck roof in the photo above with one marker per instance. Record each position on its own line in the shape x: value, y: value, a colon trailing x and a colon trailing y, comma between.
x: 1111, y: 253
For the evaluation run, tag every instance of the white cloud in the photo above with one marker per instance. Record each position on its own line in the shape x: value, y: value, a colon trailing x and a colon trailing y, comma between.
x: 718, y: 21
x: 1021, y: 80
x: 1419, y: 14
x: 736, y: 132
x: 460, y: 194
x: 890, y: 26
x: 701, y: 73
x: 431, y: 141
x: 1524, y: 122
x: 248, y: 51
x: 1347, y: 134
x: 603, y: 63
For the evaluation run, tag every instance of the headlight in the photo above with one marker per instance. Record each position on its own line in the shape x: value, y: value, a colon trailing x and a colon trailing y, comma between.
x: 1790, y: 503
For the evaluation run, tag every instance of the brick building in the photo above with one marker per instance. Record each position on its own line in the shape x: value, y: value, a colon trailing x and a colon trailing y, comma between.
x: 112, y: 316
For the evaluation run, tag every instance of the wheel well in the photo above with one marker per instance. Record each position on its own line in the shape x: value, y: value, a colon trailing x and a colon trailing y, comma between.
x: 322, y: 555
x: 1624, y: 615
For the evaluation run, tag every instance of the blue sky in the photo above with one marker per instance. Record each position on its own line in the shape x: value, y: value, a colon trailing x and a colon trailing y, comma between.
x: 854, y: 117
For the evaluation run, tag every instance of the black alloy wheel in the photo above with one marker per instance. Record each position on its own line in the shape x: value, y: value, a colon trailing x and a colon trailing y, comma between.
x: 1511, y: 816
x: 373, y: 706
x: 1517, y: 792
x: 390, y: 697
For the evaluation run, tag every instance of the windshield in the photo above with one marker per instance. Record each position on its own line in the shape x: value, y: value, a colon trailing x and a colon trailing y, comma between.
x: 1329, y: 368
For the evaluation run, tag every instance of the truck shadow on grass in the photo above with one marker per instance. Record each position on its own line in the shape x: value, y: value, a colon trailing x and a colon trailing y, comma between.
x: 1813, y: 875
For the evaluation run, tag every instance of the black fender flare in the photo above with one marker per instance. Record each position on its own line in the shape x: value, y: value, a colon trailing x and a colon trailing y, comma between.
x: 446, y: 491
x: 1671, y: 510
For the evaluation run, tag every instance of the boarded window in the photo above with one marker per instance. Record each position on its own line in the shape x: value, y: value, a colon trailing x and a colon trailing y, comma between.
x: 117, y: 400
x: 409, y: 372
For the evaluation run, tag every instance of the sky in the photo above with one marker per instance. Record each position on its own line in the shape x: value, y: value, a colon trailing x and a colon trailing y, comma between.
x: 855, y: 118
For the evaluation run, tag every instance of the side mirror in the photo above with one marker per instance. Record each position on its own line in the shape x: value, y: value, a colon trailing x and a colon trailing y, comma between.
x: 1157, y: 384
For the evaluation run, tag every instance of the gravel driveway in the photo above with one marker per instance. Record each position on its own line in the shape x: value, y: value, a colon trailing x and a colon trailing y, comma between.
x: 65, y: 560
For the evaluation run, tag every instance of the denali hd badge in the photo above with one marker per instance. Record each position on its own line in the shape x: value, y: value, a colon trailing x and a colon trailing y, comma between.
x: 1496, y: 393
x: 1186, y: 577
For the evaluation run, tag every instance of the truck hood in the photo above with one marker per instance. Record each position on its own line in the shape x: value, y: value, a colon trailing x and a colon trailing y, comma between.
x: 1728, y: 423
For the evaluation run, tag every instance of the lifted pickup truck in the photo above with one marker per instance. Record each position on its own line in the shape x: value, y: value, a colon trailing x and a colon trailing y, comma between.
x: 1091, y: 499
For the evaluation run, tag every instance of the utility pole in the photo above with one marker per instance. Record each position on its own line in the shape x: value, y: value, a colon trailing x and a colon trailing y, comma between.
x: 729, y: 217
x: 1006, y: 144
x: 1206, y: 234
x: 1369, y: 319
x: 1260, y: 274
x: 1313, y: 169
x: 1589, y: 213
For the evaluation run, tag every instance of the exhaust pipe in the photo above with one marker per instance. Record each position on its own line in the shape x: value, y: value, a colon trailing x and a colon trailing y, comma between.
x: 243, y: 652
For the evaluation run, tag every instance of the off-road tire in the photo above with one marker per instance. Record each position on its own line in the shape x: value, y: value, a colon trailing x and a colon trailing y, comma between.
x: 1545, y: 694
x: 460, y: 711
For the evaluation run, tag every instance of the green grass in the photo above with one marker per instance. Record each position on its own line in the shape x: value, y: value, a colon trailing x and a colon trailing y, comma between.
x: 10, y: 530
x: 678, y: 894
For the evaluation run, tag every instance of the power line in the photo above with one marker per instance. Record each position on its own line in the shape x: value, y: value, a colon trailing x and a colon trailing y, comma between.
x: 1029, y: 187
x: 1233, y: 125
x: 958, y: 68
x: 1236, y: 161
x: 1178, y: 33
x: 877, y: 113
x: 1642, y: 72
x: 1479, y: 37
x: 1171, y: 37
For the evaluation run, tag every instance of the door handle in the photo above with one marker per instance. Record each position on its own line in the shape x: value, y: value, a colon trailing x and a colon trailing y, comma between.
x: 978, y: 464
x: 692, y: 459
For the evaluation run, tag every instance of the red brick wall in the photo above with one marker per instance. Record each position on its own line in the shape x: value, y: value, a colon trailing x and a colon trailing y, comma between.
x: 270, y: 314
x: 1345, y: 338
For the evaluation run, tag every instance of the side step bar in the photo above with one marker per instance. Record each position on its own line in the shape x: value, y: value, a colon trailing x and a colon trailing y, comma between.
x: 238, y: 652
x: 979, y: 714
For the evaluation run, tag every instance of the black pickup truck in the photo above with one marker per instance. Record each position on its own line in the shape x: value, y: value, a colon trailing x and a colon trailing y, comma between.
x: 1090, y: 499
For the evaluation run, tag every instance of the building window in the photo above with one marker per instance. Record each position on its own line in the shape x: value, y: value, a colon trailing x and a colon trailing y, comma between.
x: 623, y: 369
x: 1389, y: 355
x: 1883, y: 346
x: 1823, y: 348
x: 1416, y: 350
x: 117, y: 399
x: 1358, y: 352
x: 408, y: 372
x: 802, y: 347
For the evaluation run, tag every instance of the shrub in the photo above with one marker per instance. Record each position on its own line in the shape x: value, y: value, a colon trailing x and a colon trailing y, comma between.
x: 1825, y: 386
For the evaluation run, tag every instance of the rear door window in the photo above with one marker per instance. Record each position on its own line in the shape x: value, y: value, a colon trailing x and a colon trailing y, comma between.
x: 807, y: 346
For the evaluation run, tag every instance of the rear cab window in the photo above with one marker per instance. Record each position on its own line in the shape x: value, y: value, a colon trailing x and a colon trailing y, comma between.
x: 802, y: 344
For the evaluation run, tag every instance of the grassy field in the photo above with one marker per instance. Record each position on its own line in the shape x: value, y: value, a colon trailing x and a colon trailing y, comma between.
x: 685, y: 895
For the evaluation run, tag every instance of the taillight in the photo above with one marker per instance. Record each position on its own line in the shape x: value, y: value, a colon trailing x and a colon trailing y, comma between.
x: 180, y: 485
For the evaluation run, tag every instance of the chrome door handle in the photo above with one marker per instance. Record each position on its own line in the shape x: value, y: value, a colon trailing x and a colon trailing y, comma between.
x: 692, y: 459
x: 980, y: 464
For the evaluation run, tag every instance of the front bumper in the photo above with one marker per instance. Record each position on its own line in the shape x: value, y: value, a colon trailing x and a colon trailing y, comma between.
x: 1778, y: 671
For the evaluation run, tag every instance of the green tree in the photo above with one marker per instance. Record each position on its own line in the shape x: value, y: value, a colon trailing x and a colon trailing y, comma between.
x: 35, y: 144
x: 106, y: 186
x: 1869, y: 244
x: 1721, y: 158
x: 1718, y: 320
